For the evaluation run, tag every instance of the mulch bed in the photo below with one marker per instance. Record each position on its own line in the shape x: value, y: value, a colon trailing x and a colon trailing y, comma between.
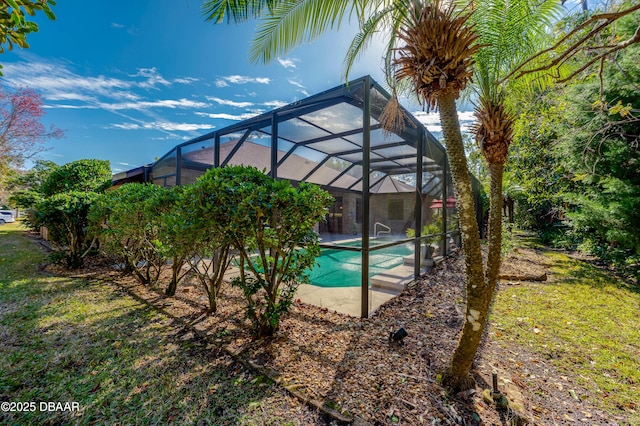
x: 348, y: 365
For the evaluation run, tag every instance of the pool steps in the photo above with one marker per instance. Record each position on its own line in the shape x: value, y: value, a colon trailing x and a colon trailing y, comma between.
x: 396, y: 279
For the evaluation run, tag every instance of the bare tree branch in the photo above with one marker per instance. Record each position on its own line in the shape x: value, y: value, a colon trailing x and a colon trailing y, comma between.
x: 602, y: 56
x: 573, y: 48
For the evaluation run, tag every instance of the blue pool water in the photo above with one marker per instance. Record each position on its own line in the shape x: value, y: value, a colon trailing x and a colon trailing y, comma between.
x: 342, y: 268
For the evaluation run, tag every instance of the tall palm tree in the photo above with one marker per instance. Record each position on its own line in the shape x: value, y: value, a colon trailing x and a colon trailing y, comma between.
x: 435, y: 53
x: 510, y: 32
x: 431, y: 49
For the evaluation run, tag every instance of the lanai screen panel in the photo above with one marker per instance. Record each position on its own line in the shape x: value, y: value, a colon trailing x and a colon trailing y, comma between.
x: 195, y: 159
x: 164, y: 171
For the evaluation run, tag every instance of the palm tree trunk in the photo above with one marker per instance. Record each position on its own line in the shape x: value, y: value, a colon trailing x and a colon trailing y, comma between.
x: 495, y: 225
x: 457, y: 374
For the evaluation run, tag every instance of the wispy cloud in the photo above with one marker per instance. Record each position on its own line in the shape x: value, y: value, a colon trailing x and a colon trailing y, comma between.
x: 225, y: 116
x: 67, y: 106
x: 56, y: 83
x: 288, y: 63
x: 185, y: 80
x: 432, y: 120
x: 116, y: 25
x: 152, y: 76
x: 162, y: 103
x: 163, y: 125
x: 296, y: 82
x: 227, y: 102
x: 240, y: 79
x: 275, y: 104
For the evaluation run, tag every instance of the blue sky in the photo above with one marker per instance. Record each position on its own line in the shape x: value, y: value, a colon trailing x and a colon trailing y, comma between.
x: 128, y: 80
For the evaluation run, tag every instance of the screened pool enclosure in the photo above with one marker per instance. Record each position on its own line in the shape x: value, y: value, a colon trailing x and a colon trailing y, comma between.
x: 334, y: 139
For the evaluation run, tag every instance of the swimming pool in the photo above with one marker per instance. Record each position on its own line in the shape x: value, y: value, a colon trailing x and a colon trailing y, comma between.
x: 342, y: 268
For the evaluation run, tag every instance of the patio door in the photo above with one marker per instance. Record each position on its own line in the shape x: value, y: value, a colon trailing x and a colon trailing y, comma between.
x: 334, y: 217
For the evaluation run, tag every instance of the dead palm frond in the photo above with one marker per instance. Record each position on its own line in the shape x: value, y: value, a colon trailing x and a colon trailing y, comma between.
x: 437, y: 55
x: 493, y: 130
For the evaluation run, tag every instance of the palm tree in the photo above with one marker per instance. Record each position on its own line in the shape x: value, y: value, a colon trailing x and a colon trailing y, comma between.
x: 510, y: 32
x: 431, y: 49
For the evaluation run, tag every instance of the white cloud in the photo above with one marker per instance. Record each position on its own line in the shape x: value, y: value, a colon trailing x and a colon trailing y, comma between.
x: 230, y: 103
x: 240, y: 79
x: 295, y: 82
x: 275, y: 104
x: 116, y: 25
x: 153, y: 78
x: 224, y: 116
x: 67, y: 106
x: 288, y: 63
x: 58, y: 82
x: 432, y: 120
x: 163, y: 125
x: 185, y: 80
x: 162, y: 103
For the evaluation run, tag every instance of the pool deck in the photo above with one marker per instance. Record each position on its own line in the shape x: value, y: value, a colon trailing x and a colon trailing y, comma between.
x: 345, y: 300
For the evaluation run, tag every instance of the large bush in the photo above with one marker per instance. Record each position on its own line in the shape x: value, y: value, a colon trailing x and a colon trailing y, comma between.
x: 131, y: 223
x: 202, y: 230
x: 68, y: 192
x: 65, y: 215
x: 271, y: 225
x: 81, y: 175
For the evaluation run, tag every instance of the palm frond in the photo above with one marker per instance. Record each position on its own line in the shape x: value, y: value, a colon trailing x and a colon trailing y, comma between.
x: 510, y: 31
x: 382, y: 21
x: 293, y: 22
x: 217, y: 11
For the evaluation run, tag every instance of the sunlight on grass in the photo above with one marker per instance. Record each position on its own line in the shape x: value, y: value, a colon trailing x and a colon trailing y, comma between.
x: 69, y: 340
x: 585, y: 322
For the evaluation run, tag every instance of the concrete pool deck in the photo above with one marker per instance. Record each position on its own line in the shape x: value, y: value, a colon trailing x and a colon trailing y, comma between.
x: 345, y: 300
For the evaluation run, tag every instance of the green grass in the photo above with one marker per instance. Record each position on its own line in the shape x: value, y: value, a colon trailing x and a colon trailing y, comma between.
x: 69, y: 340
x: 585, y: 322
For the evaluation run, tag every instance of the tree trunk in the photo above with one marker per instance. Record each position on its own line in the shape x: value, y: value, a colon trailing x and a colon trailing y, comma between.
x: 457, y: 374
x: 495, y: 226
x: 173, y: 285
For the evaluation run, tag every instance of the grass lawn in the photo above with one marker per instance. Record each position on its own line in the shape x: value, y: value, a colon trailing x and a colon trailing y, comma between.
x: 70, y: 340
x: 584, y: 322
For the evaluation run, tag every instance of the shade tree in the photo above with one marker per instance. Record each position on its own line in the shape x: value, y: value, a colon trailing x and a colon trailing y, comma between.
x: 14, y: 25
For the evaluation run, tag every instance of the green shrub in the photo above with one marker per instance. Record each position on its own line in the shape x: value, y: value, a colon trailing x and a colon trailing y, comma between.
x: 128, y: 222
x: 65, y: 216
x: 200, y: 230
x: 270, y: 223
x: 67, y: 194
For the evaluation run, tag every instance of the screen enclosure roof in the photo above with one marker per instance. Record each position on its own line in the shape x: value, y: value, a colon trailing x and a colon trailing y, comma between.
x: 320, y: 139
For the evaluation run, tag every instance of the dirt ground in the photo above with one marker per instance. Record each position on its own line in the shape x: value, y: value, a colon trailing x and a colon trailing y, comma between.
x: 347, y: 364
